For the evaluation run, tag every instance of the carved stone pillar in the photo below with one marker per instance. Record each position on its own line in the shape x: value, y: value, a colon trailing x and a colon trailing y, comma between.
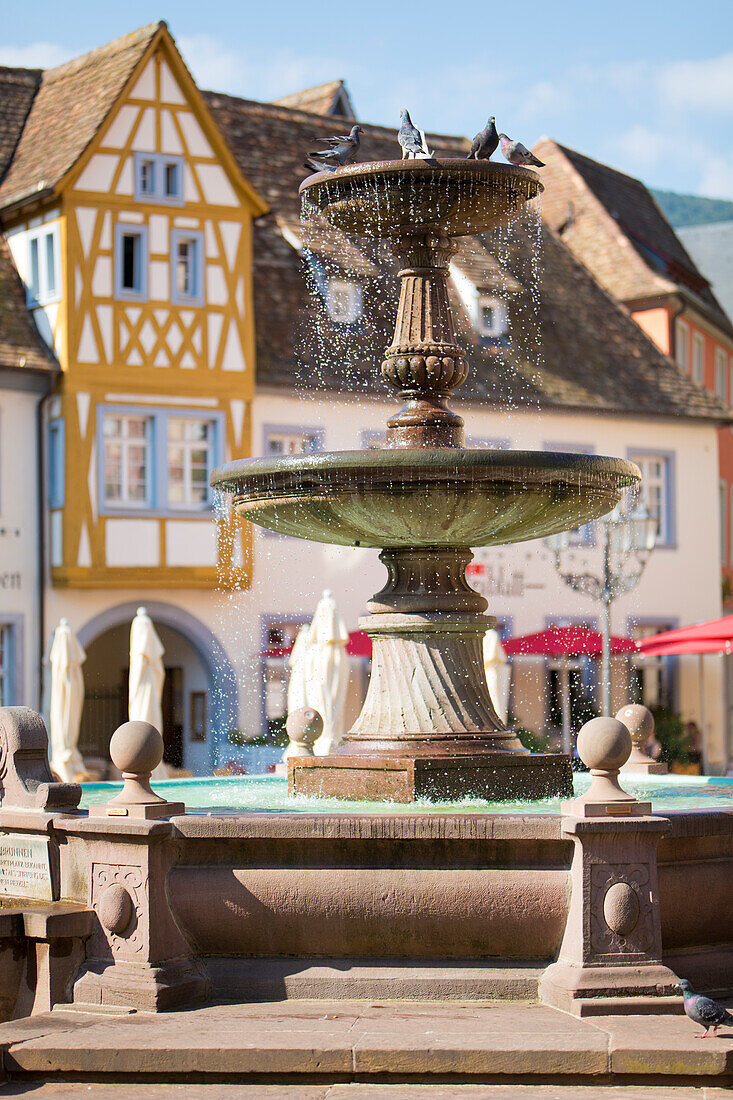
x: 611, y: 954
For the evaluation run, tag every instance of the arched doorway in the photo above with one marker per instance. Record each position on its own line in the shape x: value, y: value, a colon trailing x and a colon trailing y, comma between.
x: 200, y: 698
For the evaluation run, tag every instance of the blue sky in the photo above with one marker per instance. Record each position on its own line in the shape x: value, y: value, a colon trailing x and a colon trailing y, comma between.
x: 644, y: 86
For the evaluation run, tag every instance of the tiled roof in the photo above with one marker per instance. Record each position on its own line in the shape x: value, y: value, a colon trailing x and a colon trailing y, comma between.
x: 612, y: 223
x: 17, y: 89
x: 21, y: 346
x: 594, y: 356
x: 324, y: 99
x: 71, y: 103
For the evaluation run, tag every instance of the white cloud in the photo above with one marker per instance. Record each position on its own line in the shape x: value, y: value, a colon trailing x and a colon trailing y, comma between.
x: 212, y: 64
x: 706, y: 84
x: 36, y: 55
x: 254, y: 73
x: 717, y: 176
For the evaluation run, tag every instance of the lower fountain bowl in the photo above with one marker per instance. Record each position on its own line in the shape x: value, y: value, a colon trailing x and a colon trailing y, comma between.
x: 438, y: 497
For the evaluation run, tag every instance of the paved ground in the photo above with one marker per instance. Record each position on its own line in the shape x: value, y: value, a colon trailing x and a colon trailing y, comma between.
x: 80, y: 1091
x: 326, y: 1043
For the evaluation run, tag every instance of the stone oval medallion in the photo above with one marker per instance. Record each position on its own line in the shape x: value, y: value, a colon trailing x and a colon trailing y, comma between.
x: 621, y: 908
x: 115, y: 909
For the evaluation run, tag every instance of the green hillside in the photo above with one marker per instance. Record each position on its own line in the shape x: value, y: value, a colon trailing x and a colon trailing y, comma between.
x: 681, y: 210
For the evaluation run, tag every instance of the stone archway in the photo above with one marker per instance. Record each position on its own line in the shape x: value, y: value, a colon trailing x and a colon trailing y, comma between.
x: 221, y: 680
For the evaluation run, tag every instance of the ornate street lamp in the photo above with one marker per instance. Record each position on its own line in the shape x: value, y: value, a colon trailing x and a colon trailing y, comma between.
x: 626, y: 540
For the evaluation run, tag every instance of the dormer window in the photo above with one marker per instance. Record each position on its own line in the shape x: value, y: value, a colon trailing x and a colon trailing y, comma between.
x: 158, y: 178
x: 343, y: 301
x: 43, y: 266
x: 492, y: 319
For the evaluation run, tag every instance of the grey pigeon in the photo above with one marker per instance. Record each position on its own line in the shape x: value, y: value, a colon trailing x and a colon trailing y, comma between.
x: 516, y: 153
x: 342, y: 150
x: 485, y: 142
x: 703, y: 1010
x: 410, y: 138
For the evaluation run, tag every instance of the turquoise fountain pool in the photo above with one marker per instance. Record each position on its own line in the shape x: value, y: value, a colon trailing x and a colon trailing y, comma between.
x: 269, y: 793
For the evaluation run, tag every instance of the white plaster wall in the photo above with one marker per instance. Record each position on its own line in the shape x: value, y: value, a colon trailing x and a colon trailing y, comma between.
x: 19, y: 533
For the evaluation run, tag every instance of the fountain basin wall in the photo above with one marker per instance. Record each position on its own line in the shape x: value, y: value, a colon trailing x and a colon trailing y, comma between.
x: 490, y: 892
x: 271, y: 905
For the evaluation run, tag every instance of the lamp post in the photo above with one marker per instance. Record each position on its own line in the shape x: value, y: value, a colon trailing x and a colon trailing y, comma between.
x: 626, y: 541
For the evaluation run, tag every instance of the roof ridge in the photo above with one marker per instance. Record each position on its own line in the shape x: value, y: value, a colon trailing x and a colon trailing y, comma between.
x: 272, y: 106
x: 7, y: 72
x: 117, y: 45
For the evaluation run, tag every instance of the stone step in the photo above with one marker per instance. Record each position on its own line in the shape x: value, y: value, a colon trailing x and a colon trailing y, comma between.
x: 340, y: 1041
x: 277, y: 979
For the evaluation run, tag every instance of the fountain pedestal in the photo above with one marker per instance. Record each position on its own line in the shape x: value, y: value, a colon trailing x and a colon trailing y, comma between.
x: 428, y: 728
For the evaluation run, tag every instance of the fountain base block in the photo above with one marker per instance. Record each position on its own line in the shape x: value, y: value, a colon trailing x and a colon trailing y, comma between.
x: 499, y: 776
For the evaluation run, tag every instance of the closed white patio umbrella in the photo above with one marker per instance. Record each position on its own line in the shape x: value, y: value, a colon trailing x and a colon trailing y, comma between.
x: 67, y: 701
x: 327, y: 672
x: 498, y: 673
x: 147, y: 677
x: 297, y: 693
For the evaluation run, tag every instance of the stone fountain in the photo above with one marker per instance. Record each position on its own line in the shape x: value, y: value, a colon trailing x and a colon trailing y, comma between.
x: 428, y: 726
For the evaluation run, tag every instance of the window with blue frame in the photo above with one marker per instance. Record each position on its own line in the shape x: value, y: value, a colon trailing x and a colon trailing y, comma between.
x: 158, y: 178
x: 6, y: 664
x: 56, y: 465
x: 657, y: 491
x: 44, y: 280
x: 157, y: 460
x: 131, y: 261
x: 187, y: 267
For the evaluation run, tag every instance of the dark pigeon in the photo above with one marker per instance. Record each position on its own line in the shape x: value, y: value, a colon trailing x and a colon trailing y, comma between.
x: 410, y: 137
x: 516, y: 153
x: 342, y: 150
x: 704, y: 1010
x: 485, y: 142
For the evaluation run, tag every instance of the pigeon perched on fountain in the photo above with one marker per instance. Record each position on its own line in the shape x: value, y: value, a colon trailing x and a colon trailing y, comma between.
x: 703, y: 1010
x: 485, y: 142
x: 516, y: 153
x: 411, y: 139
x: 342, y: 150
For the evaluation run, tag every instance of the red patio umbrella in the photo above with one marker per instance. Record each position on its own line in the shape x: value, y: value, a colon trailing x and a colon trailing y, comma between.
x: 565, y: 642
x: 358, y: 645
x: 714, y: 636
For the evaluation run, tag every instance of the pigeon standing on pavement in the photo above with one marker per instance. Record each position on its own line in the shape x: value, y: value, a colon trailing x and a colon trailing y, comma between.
x: 516, y: 153
x: 485, y: 142
x: 342, y: 150
x: 703, y: 1010
x: 411, y: 139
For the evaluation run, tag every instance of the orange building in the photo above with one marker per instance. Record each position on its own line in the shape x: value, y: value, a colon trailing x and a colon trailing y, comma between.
x: 613, y: 225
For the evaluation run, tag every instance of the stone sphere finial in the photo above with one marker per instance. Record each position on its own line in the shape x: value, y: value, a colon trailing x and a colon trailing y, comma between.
x: 639, y: 721
x: 604, y: 744
x: 304, y: 726
x: 136, y: 748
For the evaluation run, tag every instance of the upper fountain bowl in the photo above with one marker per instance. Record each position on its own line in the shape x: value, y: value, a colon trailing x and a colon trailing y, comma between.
x: 393, y: 197
x: 425, y: 497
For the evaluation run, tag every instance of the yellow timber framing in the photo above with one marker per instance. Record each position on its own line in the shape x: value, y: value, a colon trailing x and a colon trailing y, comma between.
x: 163, y: 41
x: 96, y: 381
